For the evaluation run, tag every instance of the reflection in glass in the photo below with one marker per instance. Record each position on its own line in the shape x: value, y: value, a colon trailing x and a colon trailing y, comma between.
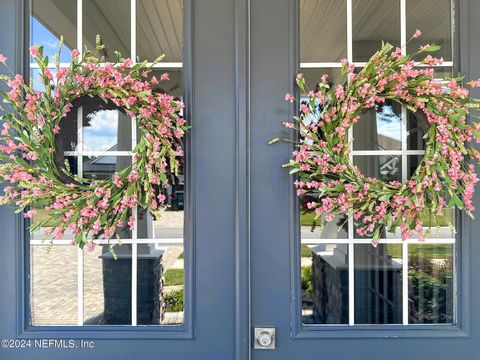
x: 311, y: 228
x: 434, y: 19
x: 160, y: 284
x: 417, y: 127
x: 49, y: 20
x: 382, y: 167
x: 105, y: 127
x: 69, y: 167
x: 37, y: 80
x: 107, y: 286
x: 374, y: 21
x: 313, y: 76
x: 103, y: 167
x: 379, y: 128
x: 431, y: 283
x: 323, y: 30
x: 378, y: 284
x: 160, y: 29
x: 173, y: 86
x: 413, y: 162
x: 111, y: 20
x: 53, y: 285
x: 324, y: 279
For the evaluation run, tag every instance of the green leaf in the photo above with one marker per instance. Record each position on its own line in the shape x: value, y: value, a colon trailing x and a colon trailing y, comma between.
x: 432, y: 48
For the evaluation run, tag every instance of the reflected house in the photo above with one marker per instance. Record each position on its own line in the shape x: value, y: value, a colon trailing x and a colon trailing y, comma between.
x: 102, y: 167
x: 378, y: 298
x: 117, y: 273
x: 389, y: 128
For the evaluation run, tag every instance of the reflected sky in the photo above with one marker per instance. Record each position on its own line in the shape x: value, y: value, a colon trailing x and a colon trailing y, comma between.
x: 42, y: 36
x: 388, y: 123
x: 102, y: 134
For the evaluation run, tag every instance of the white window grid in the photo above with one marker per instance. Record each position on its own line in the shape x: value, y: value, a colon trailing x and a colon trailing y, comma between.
x: 351, y: 241
x: 134, y: 241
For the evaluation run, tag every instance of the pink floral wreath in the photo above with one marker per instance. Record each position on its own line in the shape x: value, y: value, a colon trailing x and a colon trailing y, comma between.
x: 333, y: 186
x: 100, y: 208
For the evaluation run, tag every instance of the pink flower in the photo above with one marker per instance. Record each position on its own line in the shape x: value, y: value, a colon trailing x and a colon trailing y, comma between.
x: 75, y: 53
x: 29, y: 214
x: 90, y: 246
x: 48, y: 74
x: 344, y: 62
x: 154, y: 80
x: 127, y: 63
x: 96, y: 227
x: 56, y: 129
x: 474, y: 83
x: 289, y: 97
x: 133, y: 176
x: 3, y: 59
x: 330, y: 217
x: 164, y: 77
x: 417, y: 34
x: 131, y: 222
x: 6, y: 127
x: 305, y: 109
x: 117, y: 180
x: 34, y: 51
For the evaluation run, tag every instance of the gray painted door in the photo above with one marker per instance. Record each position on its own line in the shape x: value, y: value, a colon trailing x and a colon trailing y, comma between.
x: 275, y: 294
x: 210, y: 253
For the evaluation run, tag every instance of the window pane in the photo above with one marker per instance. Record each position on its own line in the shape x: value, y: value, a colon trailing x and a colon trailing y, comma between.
x: 311, y: 229
x: 107, y: 286
x: 417, y: 127
x: 103, y: 167
x: 37, y: 80
x: 383, y: 167
x: 323, y: 30
x: 413, y: 162
x: 105, y: 127
x: 378, y: 284
x: 313, y: 76
x: 173, y: 86
x: 53, y: 284
x: 111, y: 20
x: 431, y: 283
x: 434, y: 19
x: 379, y: 129
x: 374, y: 21
x: 160, y: 29
x: 160, y: 284
x: 324, y: 279
x: 51, y: 19
x: 161, y: 274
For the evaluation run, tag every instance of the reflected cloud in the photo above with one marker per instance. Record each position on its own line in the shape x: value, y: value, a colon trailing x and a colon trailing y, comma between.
x: 102, y: 133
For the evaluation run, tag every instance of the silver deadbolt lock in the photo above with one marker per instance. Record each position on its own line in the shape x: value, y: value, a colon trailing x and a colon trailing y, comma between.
x: 264, y: 338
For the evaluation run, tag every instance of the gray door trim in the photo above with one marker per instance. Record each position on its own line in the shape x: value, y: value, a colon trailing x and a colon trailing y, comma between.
x: 242, y: 186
